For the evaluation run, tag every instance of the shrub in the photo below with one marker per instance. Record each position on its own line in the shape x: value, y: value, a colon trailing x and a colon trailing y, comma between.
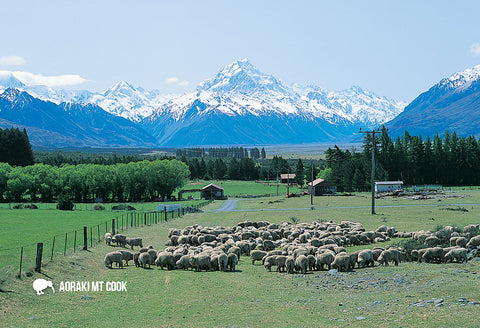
x: 123, y: 207
x: 25, y: 206
x: 65, y: 202
x: 98, y: 207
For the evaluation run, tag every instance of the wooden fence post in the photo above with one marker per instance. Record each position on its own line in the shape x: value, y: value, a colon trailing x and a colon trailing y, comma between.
x: 156, y: 219
x: 113, y: 227
x: 98, y: 228
x: 145, y: 218
x: 131, y: 219
x: 38, y: 262
x: 85, y: 239
x: 21, y: 260
x: 53, y: 247
x: 75, y: 241
x: 91, y: 236
x: 165, y: 213
x: 65, y: 249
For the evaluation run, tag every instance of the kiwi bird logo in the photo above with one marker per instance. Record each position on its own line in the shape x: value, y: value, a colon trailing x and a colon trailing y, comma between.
x: 40, y: 284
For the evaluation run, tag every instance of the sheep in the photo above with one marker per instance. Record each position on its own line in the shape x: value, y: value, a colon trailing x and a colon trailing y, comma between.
x: 311, y: 262
x: 281, y: 263
x: 290, y: 264
x: 269, y: 261
x: 119, y: 239
x: 257, y: 255
x: 201, y: 261
x: 113, y: 257
x: 325, y: 258
x: 473, y: 242
x: 244, y: 247
x: 136, y: 255
x: 236, y: 250
x: 388, y: 255
x: 433, y: 254
x: 153, y: 255
x: 126, y: 256
x: 108, y: 238
x: 133, y: 242
x: 144, y: 259
x: 183, y: 262
x: 342, y: 262
x: 301, y: 264
x: 164, y: 259
x: 232, y: 261
x: 222, y: 262
x: 365, y: 258
x: 458, y: 254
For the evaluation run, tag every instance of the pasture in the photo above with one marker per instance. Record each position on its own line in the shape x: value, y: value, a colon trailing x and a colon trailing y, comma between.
x: 407, y: 295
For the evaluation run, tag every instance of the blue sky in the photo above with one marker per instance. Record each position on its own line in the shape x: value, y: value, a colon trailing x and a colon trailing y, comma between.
x: 396, y: 49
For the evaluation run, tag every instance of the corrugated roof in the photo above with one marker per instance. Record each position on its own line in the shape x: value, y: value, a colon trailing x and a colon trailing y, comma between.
x: 389, y: 182
x: 284, y: 176
x: 212, y: 185
x: 321, y: 182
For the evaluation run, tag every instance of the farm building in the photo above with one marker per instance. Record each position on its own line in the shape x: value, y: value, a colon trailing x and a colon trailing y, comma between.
x: 321, y: 187
x: 287, y: 178
x: 212, y: 191
x: 388, y: 186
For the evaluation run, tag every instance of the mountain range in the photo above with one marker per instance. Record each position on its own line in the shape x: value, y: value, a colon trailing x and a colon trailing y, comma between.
x: 451, y: 104
x: 240, y: 105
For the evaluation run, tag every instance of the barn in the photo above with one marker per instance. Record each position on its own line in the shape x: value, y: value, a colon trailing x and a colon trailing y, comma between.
x: 287, y: 178
x: 212, y: 191
x: 322, y: 187
x: 388, y: 186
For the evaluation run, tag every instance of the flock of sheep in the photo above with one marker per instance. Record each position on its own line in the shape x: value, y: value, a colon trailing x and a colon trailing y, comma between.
x: 294, y: 248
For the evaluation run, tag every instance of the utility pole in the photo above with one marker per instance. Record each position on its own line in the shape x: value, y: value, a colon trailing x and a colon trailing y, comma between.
x: 288, y: 181
x: 312, y: 188
x: 373, y: 166
x: 277, y: 182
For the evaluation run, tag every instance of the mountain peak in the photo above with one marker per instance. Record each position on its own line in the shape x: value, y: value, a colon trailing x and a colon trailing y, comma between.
x: 461, y: 79
x: 8, y: 80
x: 242, y: 77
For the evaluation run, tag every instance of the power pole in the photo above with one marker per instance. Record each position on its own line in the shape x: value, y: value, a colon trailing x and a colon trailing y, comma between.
x: 373, y: 166
x: 277, y: 182
x: 288, y: 181
x: 312, y: 189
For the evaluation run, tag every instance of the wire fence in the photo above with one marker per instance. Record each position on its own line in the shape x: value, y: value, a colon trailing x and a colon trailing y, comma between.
x: 32, y: 257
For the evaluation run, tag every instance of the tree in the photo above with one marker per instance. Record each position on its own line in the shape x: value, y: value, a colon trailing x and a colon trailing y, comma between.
x: 263, y: 154
x: 299, y: 173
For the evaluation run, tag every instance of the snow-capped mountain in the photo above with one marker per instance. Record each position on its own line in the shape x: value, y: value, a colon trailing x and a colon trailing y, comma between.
x: 243, y: 105
x: 451, y: 104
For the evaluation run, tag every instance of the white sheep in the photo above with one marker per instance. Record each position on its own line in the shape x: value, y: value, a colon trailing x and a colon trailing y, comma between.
x: 133, y: 242
x: 108, y: 238
x: 111, y: 257
x: 144, y: 259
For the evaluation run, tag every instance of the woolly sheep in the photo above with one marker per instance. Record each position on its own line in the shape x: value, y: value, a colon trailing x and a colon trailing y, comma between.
x: 108, y: 238
x: 269, y: 261
x: 232, y: 261
x: 183, y: 262
x: 244, y: 247
x: 153, y: 255
x: 280, y: 261
x: 144, y: 259
x: 113, y: 257
x: 165, y: 259
x: 458, y: 254
x: 473, y: 242
x: 136, y: 255
x: 325, y: 258
x: 311, y: 262
x: 126, y: 256
x: 301, y: 264
x: 236, y: 250
x: 388, y: 255
x: 133, y: 242
x: 365, y: 258
x: 200, y: 261
x: 433, y: 254
x: 222, y: 262
x: 290, y: 264
x: 257, y: 255
x: 119, y: 239
x: 342, y: 262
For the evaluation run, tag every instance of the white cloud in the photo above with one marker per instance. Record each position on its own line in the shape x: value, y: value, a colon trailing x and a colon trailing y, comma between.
x: 176, y: 80
x: 12, y: 61
x: 172, y: 80
x: 49, y: 81
x: 475, y: 49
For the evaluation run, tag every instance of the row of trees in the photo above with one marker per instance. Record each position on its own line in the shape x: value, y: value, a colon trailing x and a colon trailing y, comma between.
x: 15, y: 147
x: 447, y: 160
x: 136, y: 181
x: 221, y: 152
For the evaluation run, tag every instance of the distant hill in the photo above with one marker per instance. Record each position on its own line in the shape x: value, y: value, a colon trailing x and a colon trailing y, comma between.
x: 452, y: 104
x: 67, y: 124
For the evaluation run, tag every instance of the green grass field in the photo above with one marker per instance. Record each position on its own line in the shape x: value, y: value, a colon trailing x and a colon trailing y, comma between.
x: 390, y: 296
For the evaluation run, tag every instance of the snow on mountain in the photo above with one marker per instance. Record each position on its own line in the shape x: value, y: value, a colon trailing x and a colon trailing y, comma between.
x: 461, y: 79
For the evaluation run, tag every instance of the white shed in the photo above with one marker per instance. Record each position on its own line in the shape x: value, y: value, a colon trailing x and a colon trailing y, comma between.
x: 388, y: 186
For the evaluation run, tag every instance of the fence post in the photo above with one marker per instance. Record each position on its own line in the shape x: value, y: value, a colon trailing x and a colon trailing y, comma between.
x: 91, y: 236
x: 75, y: 241
x: 144, y: 218
x: 165, y: 213
x: 38, y: 264
x: 98, y: 228
x: 65, y: 249
x: 53, y: 247
x: 131, y: 219
x: 156, y: 220
x: 113, y: 227
x: 21, y: 260
x: 85, y: 238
